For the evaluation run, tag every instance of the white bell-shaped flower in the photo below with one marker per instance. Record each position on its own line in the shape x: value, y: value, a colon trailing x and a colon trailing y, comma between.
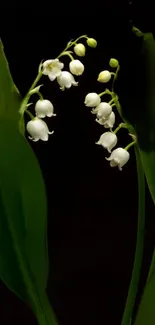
x: 44, y: 107
x: 104, y: 76
x: 38, y: 129
x: 80, y: 49
x: 76, y: 67
x: 119, y: 157
x: 103, y: 110
x: 52, y: 68
x: 110, y: 121
x: 108, y: 140
x: 92, y: 100
x: 107, y: 123
x: 66, y: 80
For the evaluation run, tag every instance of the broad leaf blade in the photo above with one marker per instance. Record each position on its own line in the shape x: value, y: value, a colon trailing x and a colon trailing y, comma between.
x: 137, y: 98
x: 9, y: 95
x: 146, y: 311
x: 24, y: 198
x: 23, y: 208
x: 147, y: 137
x: 139, y: 109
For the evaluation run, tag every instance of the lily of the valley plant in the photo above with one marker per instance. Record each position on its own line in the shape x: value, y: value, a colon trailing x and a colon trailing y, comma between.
x: 23, y: 227
x: 104, y: 111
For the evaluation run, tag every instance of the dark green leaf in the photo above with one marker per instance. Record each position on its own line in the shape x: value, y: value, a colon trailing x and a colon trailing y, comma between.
x: 23, y: 215
x: 137, y: 97
x: 23, y: 208
x: 10, y: 98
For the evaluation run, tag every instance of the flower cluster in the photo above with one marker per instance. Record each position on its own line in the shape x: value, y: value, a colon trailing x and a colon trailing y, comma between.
x: 53, y: 68
x: 106, y: 117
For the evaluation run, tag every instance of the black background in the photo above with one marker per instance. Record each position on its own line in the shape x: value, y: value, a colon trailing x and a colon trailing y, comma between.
x: 92, y: 218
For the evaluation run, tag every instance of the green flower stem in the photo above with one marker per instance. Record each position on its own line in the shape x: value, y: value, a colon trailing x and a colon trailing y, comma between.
x: 28, y: 95
x: 66, y: 53
x: 115, y: 77
x: 83, y: 36
x: 111, y: 101
x: 40, y: 95
x: 30, y: 114
x: 113, y: 73
x: 130, y: 145
x: 127, y: 315
x: 71, y: 44
x: 121, y: 125
x: 107, y: 91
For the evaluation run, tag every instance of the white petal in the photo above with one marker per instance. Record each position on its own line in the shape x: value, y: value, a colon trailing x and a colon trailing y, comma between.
x: 60, y: 65
x: 50, y: 114
x: 113, y: 163
x: 54, y: 73
x: 40, y: 115
x: 110, y: 121
x: 109, y: 159
x: 44, y: 137
x: 45, y: 66
x: 35, y: 140
x: 108, y: 140
x: 75, y: 83
x: 52, y: 68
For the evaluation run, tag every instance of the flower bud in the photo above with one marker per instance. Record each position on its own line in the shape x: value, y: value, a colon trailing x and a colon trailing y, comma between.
x: 91, y: 42
x: 80, y: 49
x: 119, y: 157
x: 113, y: 63
x: 66, y: 80
x: 104, y: 76
x: 92, y: 100
x: 76, y: 67
x: 108, y: 140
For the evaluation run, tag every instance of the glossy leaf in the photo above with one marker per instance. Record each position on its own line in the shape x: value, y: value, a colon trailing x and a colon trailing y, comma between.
x: 137, y: 97
x: 9, y: 95
x: 23, y: 208
x: 146, y: 310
